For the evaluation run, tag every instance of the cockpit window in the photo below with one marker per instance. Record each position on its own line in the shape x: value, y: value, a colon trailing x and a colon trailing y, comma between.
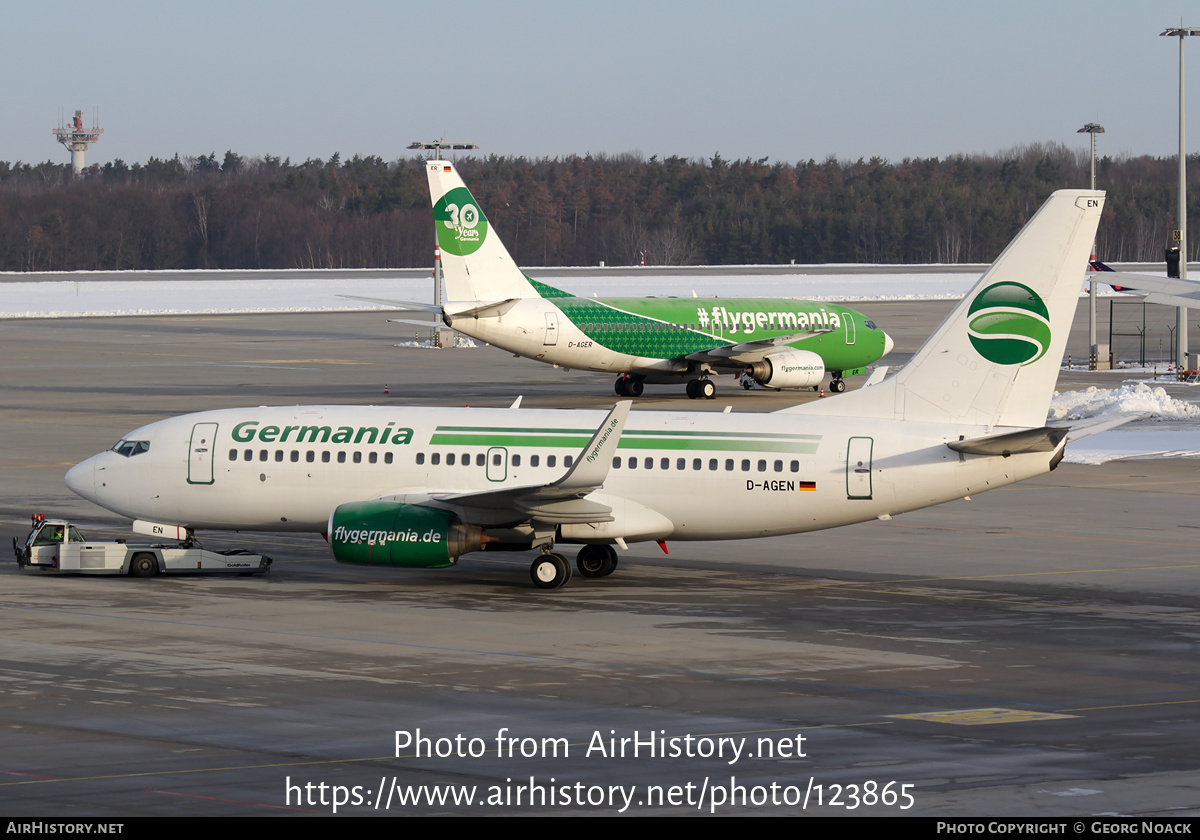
x: 871, y: 325
x: 129, y: 448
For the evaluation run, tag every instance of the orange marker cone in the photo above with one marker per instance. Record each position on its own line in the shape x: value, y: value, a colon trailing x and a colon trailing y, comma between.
x: 385, y: 390
x: 821, y: 396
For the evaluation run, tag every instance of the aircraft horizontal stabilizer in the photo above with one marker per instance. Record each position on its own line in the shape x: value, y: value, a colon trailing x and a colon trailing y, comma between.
x: 414, y: 322
x: 402, y: 305
x: 1045, y: 439
x: 1096, y: 425
x: 478, y: 310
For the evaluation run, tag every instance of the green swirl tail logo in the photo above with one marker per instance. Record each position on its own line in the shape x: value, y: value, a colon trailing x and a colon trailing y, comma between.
x: 1009, y: 324
x: 460, y: 224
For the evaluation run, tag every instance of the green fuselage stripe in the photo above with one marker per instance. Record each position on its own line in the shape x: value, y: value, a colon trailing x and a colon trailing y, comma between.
x: 725, y: 444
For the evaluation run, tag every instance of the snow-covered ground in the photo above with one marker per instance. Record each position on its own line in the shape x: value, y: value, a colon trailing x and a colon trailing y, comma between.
x: 115, y: 296
x: 1172, y: 428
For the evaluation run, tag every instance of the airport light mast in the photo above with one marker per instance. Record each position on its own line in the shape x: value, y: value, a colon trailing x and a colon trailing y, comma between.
x: 440, y: 334
x: 1181, y: 313
x: 77, y: 138
x: 1093, y: 349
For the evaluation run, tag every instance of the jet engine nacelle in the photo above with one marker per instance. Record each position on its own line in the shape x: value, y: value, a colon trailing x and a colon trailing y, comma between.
x: 379, y: 533
x: 789, y: 369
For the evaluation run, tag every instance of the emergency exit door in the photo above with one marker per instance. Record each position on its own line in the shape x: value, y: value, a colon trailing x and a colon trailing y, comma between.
x: 200, y: 453
x: 858, y: 467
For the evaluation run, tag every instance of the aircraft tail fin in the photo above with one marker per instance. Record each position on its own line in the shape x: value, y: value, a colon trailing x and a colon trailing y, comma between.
x: 994, y: 361
x: 475, y: 264
x: 1098, y: 267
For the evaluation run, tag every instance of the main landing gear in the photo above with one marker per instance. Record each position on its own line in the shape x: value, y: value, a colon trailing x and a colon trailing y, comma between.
x: 701, y: 389
x: 596, y: 561
x: 551, y: 570
x: 629, y: 386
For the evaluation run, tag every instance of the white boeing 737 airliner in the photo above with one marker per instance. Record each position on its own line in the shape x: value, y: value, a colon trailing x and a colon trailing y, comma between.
x: 418, y: 487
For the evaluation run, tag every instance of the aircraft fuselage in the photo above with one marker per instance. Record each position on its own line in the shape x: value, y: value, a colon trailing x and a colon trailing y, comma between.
x: 678, y: 476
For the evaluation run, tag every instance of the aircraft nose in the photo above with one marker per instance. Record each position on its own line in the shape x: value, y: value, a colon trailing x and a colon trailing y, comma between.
x: 81, y: 479
x: 888, y: 344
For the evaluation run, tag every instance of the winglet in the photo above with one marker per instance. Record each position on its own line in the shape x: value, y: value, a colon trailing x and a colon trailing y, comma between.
x: 595, y: 459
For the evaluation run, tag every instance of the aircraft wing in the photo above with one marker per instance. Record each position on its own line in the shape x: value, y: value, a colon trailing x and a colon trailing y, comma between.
x: 561, y: 502
x: 750, y: 351
x: 1170, y: 291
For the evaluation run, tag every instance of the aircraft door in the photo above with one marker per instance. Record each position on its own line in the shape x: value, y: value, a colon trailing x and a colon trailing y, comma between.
x: 858, y: 467
x: 551, y: 329
x: 497, y: 463
x: 850, y: 328
x: 200, y: 453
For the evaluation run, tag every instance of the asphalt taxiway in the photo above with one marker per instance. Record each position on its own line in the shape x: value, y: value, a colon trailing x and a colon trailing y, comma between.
x: 1030, y: 652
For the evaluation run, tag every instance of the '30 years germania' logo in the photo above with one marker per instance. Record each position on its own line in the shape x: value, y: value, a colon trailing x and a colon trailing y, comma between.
x: 1009, y: 324
x: 461, y: 225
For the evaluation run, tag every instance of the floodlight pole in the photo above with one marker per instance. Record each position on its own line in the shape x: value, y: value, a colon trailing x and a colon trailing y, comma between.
x: 1092, y: 129
x: 1181, y: 313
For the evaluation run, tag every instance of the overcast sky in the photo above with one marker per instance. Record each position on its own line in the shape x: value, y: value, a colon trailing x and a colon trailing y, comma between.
x: 783, y: 80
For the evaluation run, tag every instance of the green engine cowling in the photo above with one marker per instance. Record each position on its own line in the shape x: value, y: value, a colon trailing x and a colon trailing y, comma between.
x: 377, y: 533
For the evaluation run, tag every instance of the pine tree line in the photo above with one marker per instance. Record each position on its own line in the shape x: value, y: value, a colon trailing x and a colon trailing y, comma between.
x: 235, y: 212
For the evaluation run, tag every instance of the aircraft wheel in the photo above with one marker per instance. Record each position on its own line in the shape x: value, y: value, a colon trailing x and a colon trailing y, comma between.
x: 634, y: 387
x: 620, y: 387
x: 706, y: 389
x: 596, y: 561
x: 550, y: 571
x: 144, y: 566
x: 837, y: 386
